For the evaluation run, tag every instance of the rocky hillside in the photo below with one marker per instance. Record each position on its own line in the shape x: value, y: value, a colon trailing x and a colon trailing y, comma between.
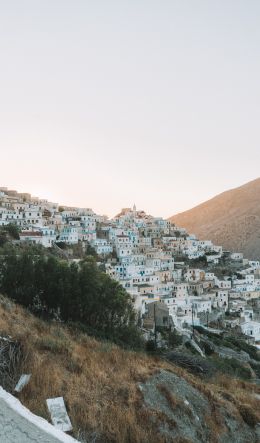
x: 231, y: 219
x: 118, y: 396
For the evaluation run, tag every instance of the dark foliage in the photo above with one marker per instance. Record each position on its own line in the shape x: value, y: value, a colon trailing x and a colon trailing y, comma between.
x: 231, y: 367
x: 13, y: 231
x: 7, y: 232
x: 79, y: 293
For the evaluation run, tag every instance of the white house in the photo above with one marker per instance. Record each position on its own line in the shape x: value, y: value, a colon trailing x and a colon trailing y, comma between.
x: 69, y: 234
x: 102, y: 247
x: 31, y: 237
x: 223, y: 284
x: 252, y: 329
x: 236, y: 256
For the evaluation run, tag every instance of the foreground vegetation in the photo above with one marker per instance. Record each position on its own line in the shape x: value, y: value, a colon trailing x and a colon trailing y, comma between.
x: 64, y: 304
x: 100, y: 384
x: 8, y: 232
x: 70, y: 292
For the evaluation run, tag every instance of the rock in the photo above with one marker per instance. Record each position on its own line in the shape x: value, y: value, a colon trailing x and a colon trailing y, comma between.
x: 184, y: 412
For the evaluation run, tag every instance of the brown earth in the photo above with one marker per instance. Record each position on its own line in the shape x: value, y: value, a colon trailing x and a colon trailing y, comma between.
x: 231, y: 219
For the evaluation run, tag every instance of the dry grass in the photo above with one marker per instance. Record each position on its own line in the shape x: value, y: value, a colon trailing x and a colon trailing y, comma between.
x: 173, y: 402
x: 241, y: 394
x: 99, y: 381
x: 249, y: 415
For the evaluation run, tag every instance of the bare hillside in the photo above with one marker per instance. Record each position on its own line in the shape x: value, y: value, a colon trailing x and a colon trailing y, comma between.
x: 231, y: 219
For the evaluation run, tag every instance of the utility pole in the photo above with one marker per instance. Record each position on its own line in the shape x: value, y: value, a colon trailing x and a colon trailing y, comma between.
x: 192, y: 319
x: 155, y: 332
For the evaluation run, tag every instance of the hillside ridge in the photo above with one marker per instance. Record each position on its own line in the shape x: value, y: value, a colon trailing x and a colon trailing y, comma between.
x: 231, y: 219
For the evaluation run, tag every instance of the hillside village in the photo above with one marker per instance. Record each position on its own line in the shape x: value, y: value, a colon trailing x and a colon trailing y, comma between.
x: 174, y: 279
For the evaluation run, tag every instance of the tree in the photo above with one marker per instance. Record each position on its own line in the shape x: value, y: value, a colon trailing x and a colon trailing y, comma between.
x: 13, y: 231
x: 79, y: 293
x: 8, y: 231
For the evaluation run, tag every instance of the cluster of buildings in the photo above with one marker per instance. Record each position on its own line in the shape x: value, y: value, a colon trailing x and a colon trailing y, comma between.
x: 172, y: 277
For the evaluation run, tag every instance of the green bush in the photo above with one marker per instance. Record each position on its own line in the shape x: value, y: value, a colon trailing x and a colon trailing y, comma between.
x: 13, y: 231
x: 150, y: 346
x: 256, y: 368
x: 244, y: 346
x: 231, y: 366
x: 208, y: 349
x: 8, y: 231
x: 174, y: 339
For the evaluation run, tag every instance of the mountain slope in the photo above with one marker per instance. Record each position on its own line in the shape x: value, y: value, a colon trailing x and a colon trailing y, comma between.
x: 231, y: 219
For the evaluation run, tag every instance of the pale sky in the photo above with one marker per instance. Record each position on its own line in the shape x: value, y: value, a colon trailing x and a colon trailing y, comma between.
x: 108, y: 103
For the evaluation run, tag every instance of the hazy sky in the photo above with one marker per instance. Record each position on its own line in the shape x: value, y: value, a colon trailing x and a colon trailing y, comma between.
x: 109, y: 103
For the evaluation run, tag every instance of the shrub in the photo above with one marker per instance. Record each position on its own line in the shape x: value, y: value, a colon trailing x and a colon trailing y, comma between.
x: 174, y: 339
x: 232, y: 367
x: 208, y: 349
x: 244, y: 346
x: 55, y: 346
x: 13, y: 231
x: 248, y: 415
x: 150, y: 346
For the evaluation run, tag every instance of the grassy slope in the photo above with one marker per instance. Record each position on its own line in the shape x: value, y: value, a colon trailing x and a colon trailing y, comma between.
x: 99, y: 381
